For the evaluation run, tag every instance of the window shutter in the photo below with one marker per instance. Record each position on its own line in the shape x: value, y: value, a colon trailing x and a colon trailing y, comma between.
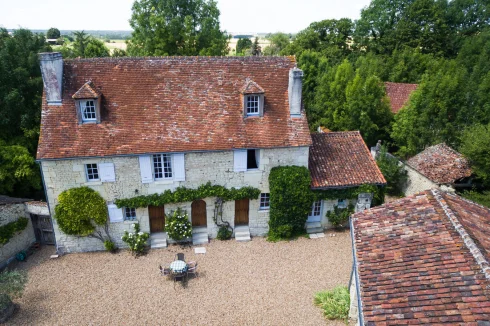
x: 145, y: 169
x: 115, y: 214
x: 240, y: 160
x: 107, y: 172
x: 179, y: 167
x: 257, y: 158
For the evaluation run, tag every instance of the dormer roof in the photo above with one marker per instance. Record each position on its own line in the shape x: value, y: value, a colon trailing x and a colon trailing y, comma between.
x: 88, y: 90
x: 251, y: 87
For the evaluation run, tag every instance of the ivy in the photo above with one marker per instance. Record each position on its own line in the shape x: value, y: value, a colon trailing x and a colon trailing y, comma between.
x: 183, y: 194
x: 8, y: 230
x: 351, y: 193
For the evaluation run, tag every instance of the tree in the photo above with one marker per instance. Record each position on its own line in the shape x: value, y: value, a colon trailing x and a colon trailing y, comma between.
x: 394, y: 173
x: 242, y: 45
x: 475, y: 146
x: 81, y: 212
x: 176, y: 27
x: 119, y: 53
x: 53, y: 33
x: 279, y: 41
x: 256, y: 49
x: 95, y: 48
x: 12, y: 284
x: 80, y: 43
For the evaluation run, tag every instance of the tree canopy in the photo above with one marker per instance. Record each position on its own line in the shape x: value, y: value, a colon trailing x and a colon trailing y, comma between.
x: 53, y: 33
x: 242, y: 45
x: 176, y: 27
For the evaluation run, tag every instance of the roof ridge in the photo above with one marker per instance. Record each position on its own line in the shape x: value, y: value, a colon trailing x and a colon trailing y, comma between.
x: 290, y: 58
x: 468, y: 241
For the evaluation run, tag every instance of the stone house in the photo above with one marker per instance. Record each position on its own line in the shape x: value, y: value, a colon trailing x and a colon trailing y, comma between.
x: 138, y: 126
x: 421, y: 260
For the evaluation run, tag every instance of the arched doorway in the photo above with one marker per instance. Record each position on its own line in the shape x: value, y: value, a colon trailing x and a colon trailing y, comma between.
x: 198, y: 213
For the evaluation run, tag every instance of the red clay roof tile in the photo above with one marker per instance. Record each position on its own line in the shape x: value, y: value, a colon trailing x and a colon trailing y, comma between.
x: 342, y: 159
x: 251, y: 87
x: 416, y: 266
x: 172, y: 104
x: 398, y: 94
x: 441, y: 164
x: 88, y: 90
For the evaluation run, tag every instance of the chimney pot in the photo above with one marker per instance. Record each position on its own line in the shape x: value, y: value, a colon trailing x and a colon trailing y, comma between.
x: 52, y: 72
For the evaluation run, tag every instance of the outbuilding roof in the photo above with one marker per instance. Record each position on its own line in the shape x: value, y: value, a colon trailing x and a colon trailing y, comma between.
x: 424, y: 259
x: 171, y: 104
x: 342, y: 159
x: 399, y: 94
x: 441, y: 164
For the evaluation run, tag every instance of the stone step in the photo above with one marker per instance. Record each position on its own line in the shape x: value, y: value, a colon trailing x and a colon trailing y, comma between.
x: 200, y: 229
x: 240, y: 228
x: 243, y: 238
x: 158, y: 243
x: 314, y: 230
x: 310, y: 225
x: 200, y: 238
x: 242, y: 234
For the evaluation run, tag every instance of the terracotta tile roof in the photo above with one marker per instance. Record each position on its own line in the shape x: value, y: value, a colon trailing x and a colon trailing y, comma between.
x: 342, y: 159
x: 251, y: 87
x: 399, y: 93
x: 88, y: 90
x: 173, y: 104
x: 441, y: 164
x: 416, y: 265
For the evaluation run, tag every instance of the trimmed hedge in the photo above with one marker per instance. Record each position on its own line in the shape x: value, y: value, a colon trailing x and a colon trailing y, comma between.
x: 8, y: 230
x: 183, y: 194
x: 290, y: 198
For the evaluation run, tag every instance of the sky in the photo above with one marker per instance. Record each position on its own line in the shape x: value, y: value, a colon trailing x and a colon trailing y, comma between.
x: 251, y: 16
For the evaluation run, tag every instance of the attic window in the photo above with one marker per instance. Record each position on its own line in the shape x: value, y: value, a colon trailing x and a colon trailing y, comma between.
x: 87, y: 111
x: 253, y: 104
x: 253, y: 99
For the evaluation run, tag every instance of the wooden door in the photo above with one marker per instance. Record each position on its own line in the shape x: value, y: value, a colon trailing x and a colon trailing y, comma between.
x: 241, y: 212
x: 43, y: 229
x: 157, y: 218
x: 198, y: 213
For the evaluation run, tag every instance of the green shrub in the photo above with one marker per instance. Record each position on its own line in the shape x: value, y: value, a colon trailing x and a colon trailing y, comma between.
x: 290, y: 199
x: 335, y: 303
x: 224, y: 233
x: 177, y: 225
x: 12, y: 285
x: 110, y: 246
x: 339, y: 216
x: 136, y: 241
x: 283, y: 232
x: 8, y: 230
x: 482, y: 198
x: 395, y: 175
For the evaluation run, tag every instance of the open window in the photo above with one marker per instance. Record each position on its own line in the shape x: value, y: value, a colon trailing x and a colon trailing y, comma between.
x: 253, y: 156
x: 246, y: 160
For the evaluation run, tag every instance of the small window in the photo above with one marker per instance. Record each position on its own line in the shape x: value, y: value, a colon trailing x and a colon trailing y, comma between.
x: 265, y: 200
x: 253, y: 159
x: 162, y: 166
x: 316, y: 208
x: 87, y: 109
x: 129, y: 214
x: 252, y: 104
x: 92, y: 172
x: 341, y: 203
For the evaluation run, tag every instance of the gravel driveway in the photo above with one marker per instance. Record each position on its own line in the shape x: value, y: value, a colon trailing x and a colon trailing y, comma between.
x: 252, y: 283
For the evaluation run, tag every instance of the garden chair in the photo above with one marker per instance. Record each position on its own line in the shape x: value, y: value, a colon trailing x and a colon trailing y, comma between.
x: 179, y: 256
x: 191, y: 264
x: 192, y: 270
x: 165, y: 271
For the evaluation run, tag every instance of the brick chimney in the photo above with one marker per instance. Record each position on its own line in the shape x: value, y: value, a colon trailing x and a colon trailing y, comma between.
x: 294, y: 90
x: 52, y: 72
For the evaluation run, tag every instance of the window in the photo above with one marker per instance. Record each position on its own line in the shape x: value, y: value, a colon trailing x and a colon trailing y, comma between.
x: 253, y: 159
x: 162, y: 166
x: 316, y: 208
x: 341, y: 203
x: 129, y: 214
x: 265, y: 200
x: 92, y: 172
x: 252, y: 104
x: 87, y: 110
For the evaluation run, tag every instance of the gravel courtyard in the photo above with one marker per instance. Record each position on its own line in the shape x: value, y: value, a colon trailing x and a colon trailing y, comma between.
x: 253, y: 283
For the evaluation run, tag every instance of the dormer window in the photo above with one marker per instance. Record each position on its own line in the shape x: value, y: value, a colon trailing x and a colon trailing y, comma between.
x: 253, y: 99
x: 87, y: 101
x: 87, y: 109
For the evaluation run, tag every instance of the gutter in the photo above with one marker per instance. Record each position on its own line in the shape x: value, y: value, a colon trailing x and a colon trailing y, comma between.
x: 356, y: 275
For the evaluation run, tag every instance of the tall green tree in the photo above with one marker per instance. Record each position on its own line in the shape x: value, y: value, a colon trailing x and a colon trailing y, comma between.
x: 95, y: 48
x: 53, y: 33
x: 242, y: 45
x: 475, y: 145
x: 256, y: 49
x: 80, y: 43
x: 278, y: 41
x: 176, y: 27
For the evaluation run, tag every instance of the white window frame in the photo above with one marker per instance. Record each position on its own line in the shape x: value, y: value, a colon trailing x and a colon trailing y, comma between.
x: 265, y: 198
x: 316, y: 209
x: 89, y: 174
x: 169, y: 160
x: 252, y: 98
x: 84, y: 106
x: 128, y: 213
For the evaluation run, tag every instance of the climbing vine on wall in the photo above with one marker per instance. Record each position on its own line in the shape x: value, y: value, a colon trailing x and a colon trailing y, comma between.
x: 8, y: 230
x: 351, y: 193
x: 183, y: 194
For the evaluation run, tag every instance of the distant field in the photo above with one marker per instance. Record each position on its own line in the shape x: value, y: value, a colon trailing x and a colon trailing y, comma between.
x: 263, y: 42
x: 118, y: 44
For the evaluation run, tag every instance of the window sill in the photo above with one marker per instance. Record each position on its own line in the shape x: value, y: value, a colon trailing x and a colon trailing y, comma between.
x: 264, y: 209
x: 93, y: 183
x: 253, y: 170
x: 164, y: 182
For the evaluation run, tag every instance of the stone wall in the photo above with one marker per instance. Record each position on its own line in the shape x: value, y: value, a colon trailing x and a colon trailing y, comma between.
x: 20, y: 241
x: 416, y: 181
x: 216, y: 167
x: 328, y: 205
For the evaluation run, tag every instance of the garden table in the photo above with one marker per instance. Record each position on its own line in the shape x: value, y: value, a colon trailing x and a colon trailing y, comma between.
x: 178, y: 266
